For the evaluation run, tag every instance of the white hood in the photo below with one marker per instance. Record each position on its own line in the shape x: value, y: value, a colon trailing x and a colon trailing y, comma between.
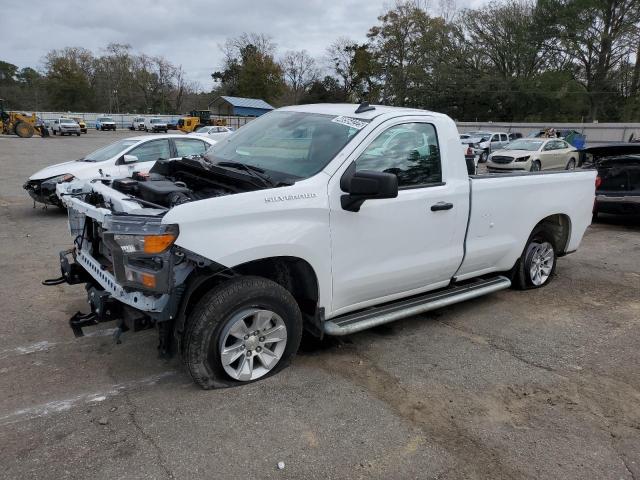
x: 77, y: 169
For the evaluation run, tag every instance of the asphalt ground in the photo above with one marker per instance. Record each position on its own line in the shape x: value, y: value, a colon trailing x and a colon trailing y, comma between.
x: 536, y: 384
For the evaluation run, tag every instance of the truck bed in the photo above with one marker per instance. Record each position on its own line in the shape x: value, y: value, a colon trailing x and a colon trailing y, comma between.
x: 506, y: 207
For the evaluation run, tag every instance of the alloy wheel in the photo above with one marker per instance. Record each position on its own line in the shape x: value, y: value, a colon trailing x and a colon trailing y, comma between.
x: 541, y: 258
x: 252, y: 344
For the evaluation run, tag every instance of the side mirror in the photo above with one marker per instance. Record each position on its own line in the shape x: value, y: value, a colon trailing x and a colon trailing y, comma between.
x: 129, y: 159
x: 366, y: 185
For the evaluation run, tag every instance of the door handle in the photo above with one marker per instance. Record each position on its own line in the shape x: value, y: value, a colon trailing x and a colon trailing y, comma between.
x: 441, y: 206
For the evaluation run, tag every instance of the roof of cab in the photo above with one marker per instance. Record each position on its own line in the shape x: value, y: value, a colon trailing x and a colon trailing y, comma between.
x: 349, y: 109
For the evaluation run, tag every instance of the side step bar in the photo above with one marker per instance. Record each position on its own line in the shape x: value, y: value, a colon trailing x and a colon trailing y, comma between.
x: 356, y: 322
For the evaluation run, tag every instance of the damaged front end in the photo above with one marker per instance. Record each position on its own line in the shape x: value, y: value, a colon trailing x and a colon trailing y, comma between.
x: 132, y: 271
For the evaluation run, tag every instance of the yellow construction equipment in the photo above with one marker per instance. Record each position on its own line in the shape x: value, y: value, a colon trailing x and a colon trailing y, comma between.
x: 19, y: 124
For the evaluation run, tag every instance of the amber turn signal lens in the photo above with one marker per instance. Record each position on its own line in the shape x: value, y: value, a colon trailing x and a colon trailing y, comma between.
x: 148, y: 281
x: 158, y: 243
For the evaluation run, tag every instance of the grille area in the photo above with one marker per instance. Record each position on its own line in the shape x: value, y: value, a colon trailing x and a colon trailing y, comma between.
x: 500, y: 159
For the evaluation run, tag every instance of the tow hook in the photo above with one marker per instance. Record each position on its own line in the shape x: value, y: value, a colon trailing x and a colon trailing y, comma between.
x: 80, y: 320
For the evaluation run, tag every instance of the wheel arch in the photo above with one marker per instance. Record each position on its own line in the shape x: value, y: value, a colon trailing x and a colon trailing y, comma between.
x: 294, y: 274
x: 559, y: 225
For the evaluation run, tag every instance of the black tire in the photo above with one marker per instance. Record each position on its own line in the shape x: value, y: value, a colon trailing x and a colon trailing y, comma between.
x: 78, y: 134
x: 484, y: 156
x: 571, y: 164
x: 214, y: 312
x: 535, y: 166
x: 53, y: 131
x: 521, y: 277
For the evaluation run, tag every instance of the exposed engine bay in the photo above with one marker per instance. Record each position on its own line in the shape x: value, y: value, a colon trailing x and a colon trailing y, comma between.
x: 171, y: 183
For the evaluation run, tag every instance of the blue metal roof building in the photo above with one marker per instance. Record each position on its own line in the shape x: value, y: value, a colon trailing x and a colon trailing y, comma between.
x: 237, y: 106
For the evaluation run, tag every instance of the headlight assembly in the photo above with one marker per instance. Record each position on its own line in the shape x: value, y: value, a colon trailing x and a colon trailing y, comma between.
x: 66, y: 177
x: 523, y: 159
x: 149, y: 244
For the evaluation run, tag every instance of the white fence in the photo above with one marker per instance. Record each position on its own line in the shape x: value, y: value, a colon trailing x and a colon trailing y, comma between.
x: 123, y: 120
x: 595, y: 132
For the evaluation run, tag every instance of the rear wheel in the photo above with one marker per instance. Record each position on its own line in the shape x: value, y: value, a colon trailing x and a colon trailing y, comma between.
x: 537, y: 264
x: 243, y: 330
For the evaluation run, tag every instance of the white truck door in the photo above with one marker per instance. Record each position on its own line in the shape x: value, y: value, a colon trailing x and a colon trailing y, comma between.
x: 412, y: 243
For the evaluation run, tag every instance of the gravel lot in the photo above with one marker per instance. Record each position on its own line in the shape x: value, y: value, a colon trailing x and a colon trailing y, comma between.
x: 538, y: 384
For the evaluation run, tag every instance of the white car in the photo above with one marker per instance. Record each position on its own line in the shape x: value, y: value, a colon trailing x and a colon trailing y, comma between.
x: 534, y: 154
x: 217, y: 132
x: 155, y: 124
x: 137, y: 123
x: 325, y: 218
x: 65, y: 126
x: 118, y: 159
x: 485, y: 142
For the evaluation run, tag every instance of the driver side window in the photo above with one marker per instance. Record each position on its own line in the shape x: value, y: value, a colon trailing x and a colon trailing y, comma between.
x: 410, y: 151
x: 152, y: 151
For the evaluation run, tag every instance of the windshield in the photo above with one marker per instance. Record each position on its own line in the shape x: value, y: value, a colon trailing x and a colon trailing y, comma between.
x: 110, y: 151
x: 72, y: 122
x: 530, y: 145
x: 295, y: 144
x: 155, y: 120
x: 203, y: 130
x: 105, y: 119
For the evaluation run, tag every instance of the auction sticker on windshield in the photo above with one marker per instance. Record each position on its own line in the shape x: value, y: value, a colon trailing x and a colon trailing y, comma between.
x: 350, y: 122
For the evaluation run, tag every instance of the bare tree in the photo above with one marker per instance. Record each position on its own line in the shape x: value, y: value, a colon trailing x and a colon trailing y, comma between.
x: 300, y: 71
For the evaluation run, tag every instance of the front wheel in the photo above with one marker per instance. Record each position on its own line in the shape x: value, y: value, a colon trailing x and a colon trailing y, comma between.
x: 535, y: 166
x: 484, y: 156
x: 537, y: 264
x: 571, y: 165
x: 243, y: 330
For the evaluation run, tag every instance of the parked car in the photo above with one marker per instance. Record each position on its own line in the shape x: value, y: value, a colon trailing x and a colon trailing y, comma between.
x: 325, y: 218
x: 486, y: 142
x: 534, y: 154
x: 118, y: 159
x: 65, y: 126
x: 216, y: 132
x: 105, y: 123
x: 173, y: 124
x: 618, y: 181
x: 155, y: 124
x: 137, y: 123
x: 80, y: 121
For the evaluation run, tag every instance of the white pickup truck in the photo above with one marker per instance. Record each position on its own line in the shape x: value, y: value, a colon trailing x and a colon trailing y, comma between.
x: 328, y: 219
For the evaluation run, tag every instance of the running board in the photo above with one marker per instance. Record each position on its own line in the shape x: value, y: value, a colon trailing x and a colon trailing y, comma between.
x: 356, y: 322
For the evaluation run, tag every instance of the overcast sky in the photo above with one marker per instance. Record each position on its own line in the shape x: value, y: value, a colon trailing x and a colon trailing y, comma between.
x: 188, y: 32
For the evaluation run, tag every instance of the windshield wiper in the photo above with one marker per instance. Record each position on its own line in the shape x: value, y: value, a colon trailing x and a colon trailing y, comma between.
x: 255, y: 172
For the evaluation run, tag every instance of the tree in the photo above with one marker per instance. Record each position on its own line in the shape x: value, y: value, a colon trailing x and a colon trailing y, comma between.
x: 8, y: 73
x: 70, y: 78
x: 250, y: 69
x: 327, y: 90
x: 300, y: 71
x: 597, y: 35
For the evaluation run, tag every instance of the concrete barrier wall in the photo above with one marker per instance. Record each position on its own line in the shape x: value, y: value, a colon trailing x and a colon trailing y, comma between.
x: 595, y: 132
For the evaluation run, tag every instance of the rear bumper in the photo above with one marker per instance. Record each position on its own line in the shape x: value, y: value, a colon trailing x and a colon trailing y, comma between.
x: 618, y: 204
